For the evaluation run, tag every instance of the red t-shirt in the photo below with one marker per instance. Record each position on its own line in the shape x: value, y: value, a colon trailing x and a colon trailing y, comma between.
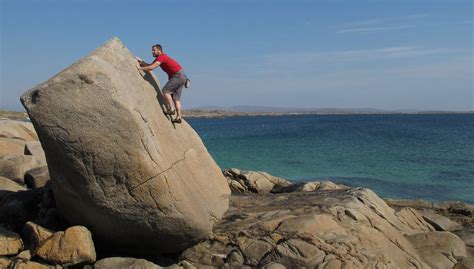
x: 168, y: 65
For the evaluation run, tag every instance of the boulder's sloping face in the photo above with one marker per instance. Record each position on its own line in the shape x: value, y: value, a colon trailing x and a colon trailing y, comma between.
x: 117, y: 163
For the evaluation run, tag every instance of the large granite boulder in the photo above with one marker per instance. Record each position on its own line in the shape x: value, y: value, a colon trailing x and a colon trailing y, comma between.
x: 117, y: 164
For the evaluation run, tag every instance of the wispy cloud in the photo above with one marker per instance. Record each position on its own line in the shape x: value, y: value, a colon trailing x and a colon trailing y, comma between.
x: 362, y: 55
x: 374, y: 29
x: 381, y: 24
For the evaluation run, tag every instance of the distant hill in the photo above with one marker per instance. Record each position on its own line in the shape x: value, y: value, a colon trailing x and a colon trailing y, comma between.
x: 329, y: 110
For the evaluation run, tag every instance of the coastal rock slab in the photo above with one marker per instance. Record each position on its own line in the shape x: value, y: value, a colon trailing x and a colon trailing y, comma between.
x: 18, y: 130
x: 439, y: 249
x: 441, y: 223
x: 11, y: 146
x: 118, y: 165
x: 70, y: 247
x: 335, y: 228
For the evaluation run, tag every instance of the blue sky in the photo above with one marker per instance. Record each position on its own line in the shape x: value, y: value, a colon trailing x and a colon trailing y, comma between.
x: 406, y: 54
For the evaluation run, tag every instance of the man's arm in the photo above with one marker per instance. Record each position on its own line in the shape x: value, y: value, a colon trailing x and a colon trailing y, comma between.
x: 148, y: 67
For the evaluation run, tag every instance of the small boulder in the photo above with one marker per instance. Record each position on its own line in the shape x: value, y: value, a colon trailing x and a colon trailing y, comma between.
x: 35, y: 149
x: 124, y: 263
x: 10, y: 242
x: 73, y: 246
x: 25, y: 255
x: 14, y: 166
x: 35, y: 235
x: 37, y: 177
x: 241, y: 181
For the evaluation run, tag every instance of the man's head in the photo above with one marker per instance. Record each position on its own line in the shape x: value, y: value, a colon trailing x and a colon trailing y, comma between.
x: 156, y: 50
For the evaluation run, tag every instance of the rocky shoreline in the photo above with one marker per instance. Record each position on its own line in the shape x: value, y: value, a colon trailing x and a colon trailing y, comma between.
x: 102, y: 178
x: 270, y: 223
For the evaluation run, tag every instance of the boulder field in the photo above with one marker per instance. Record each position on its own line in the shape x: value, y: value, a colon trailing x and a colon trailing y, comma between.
x: 271, y: 223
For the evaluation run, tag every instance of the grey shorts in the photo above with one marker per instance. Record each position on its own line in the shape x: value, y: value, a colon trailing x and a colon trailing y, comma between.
x: 175, y: 85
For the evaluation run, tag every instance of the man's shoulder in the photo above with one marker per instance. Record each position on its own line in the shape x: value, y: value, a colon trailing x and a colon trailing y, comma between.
x: 161, y: 57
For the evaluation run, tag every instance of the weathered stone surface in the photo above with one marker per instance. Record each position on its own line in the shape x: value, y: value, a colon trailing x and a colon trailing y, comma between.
x: 296, y: 252
x: 11, y: 146
x: 35, y: 235
x: 441, y: 223
x: 4, y: 263
x: 70, y: 247
x: 342, y: 228
x: 25, y: 255
x: 124, y: 263
x: 37, y: 177
x: 273, y: 265
x: 20, y: 264
x: 439, y: 249
x: 14, y: 166
x: 35, y: 149
x: 7, y: 185
x: 117, y: 163
x: 17, y: 129
x: 10, y: 242
x: 241, y: 181
x: 465, y: 264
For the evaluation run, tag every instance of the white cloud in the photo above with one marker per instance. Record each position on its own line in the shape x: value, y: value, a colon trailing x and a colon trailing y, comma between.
x: 373, y: 29
x: 281, y: 60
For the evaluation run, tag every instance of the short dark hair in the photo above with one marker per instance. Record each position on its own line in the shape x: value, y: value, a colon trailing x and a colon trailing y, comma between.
x: 158, y: 46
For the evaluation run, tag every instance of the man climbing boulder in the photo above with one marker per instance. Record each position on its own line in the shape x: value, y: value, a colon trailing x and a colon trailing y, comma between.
x: 117, y: 164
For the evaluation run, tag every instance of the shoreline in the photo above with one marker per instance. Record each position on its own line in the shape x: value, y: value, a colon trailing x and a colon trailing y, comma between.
x: 206, y: 114
x: 197, y: 113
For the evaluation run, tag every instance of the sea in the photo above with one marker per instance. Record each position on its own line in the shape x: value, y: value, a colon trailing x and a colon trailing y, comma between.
x: 401, y: 156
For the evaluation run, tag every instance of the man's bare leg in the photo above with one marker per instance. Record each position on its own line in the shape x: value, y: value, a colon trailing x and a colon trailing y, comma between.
x: 177, y: 104
x: 169, y: 100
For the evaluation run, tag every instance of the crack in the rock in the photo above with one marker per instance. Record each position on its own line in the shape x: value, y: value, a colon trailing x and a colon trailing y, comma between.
x: 163, y: 171
x: 149, y: 153
x: 143, y: 142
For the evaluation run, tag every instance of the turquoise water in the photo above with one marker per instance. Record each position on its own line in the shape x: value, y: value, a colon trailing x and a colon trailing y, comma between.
x: 398, y: 156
